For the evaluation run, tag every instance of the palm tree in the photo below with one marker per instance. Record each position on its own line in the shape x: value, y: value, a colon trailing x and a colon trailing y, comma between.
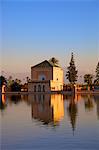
x: 54, y: 61
x: 88, y: 79
x: 9, y: 81
x: 27, y: 79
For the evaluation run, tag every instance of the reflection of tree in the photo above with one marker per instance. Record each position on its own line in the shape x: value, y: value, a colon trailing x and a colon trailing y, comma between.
x: 15, y: 98
x: 24, y: 98
x: 72, y: 112
x: 88, y: 103
x: 96, y: 98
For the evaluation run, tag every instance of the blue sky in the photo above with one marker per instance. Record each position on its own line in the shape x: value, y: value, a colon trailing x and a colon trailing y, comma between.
x: 32, y: 31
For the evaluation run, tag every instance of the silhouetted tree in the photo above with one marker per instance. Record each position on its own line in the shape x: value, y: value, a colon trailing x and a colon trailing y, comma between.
x: 18, y: 81
x: 9, y: 82
x: 15, y: 98
x: 27, y: 79
x: 71, y: 74
x: 96, y: 81
x: 15, y: 86
x: 2, y: 80
x: 88, y: 79
x: 54, y: 61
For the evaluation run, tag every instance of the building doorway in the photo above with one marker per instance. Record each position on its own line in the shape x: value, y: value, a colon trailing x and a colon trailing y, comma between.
x: 34, y: 88
x: 39, y: 88
x: 43, y: 88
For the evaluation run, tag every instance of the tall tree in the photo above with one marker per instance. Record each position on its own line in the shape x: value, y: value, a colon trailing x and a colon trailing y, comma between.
x: 71, y: 74
x: 27, y: 79
x: 88, y: 79
x: 96, y: 81
x: 9, y: 81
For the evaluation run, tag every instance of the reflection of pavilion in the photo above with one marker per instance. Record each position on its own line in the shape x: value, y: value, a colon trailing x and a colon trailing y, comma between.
x: 41, y: 108
x: 58, y: 107
x: 47, y: 108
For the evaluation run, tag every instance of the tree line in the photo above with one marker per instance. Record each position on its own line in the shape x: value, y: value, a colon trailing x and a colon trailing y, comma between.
x: 71, y: 76
x: 12, y: 84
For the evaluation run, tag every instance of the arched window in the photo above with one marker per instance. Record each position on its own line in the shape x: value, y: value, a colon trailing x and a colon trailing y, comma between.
x: 39, y: 88
x: 34, y: 88
x: 42, y: 77
x: 43, y: 88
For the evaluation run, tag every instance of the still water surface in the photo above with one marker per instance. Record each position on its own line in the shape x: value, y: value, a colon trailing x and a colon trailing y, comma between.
x: 49, y: 122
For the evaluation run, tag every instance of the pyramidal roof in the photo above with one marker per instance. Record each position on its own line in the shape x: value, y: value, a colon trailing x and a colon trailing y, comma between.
x: 46, y: 63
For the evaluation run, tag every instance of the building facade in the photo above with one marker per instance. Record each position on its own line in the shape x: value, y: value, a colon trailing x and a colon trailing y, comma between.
x: 46, y: 77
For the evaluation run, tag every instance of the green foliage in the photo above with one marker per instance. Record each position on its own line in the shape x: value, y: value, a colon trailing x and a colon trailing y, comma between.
x: 14, y: 85
x: 27, y: 79
x: 9, y: 81
x: 88, y: 79
x: 71, y: 74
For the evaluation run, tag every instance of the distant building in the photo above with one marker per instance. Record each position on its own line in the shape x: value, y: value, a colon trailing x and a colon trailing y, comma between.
x: 46, y: 77
x: 24, y: 87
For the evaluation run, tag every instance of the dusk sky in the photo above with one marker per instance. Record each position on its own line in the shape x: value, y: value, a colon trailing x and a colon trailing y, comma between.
x: 32, y: 31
